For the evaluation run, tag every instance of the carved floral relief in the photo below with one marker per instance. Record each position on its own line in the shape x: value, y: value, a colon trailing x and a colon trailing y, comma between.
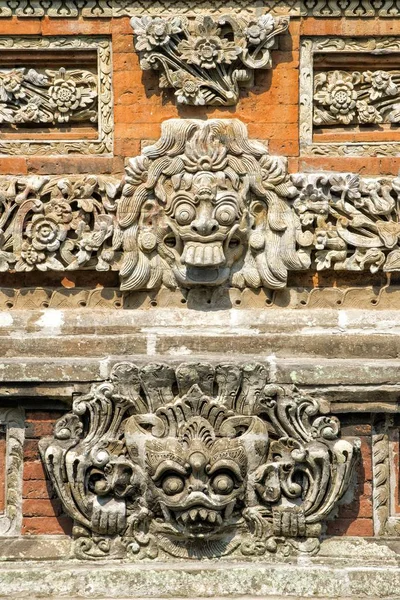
x: 206, y: 60
x: 32, y: 96
x: 196, y: 461
x: 204, y: 206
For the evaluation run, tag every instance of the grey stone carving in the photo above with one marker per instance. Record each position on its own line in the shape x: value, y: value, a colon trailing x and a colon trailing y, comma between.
x: 58, y: 97
x: 203, y: 207
x: 32, y: 96
x: 13, y: 421
x: 196, y: 461
x: 207, y: 206
x: 118, y: 8
x: 206, y: 60
x: 386, y: 510
x: 343, y: 97
x: 347, y: 98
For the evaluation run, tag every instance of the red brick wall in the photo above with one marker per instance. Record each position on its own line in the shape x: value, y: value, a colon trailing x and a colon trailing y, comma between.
x: 270, y: 108
x: 42, y: 511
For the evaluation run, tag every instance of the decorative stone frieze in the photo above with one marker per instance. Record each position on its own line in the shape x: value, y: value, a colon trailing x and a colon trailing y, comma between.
x: 203, y: 207
x: 119, y: 8
x: 196, y: 461
x: 348, y: 99
x: 206, y: 60
x: 49, y: 97
x: 13, y: 422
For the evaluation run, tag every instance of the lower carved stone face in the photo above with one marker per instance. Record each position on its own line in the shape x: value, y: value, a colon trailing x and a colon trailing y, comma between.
x: 196, y: 461
x: 200, y: 489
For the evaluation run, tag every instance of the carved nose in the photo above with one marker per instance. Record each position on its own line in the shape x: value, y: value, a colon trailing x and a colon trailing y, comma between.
x: 198, y: 486
x: 204, y: 226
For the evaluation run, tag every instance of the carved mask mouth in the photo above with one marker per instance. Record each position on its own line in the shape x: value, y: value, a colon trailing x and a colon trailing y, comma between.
x: 199, y: 519
x: 201, y: 255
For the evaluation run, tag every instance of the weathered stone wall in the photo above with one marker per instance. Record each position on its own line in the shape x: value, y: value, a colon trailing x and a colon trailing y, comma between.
x: 199, y: 298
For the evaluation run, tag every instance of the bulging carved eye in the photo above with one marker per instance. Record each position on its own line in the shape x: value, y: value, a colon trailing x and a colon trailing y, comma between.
x: 225, y: 215
x: 172, y: 485
x: 223, y: 484
x: 184, y: 214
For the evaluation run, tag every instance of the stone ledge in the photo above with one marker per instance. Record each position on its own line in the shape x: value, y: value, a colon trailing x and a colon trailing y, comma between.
x: 198, y: 580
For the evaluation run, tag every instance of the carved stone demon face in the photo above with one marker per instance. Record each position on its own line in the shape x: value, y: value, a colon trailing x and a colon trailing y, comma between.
x: 197, y: 482
x: 203, y: 217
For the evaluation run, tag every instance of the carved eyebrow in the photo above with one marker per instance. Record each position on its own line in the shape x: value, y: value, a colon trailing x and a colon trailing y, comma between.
x: 225, y: 465
x: 169, y: 466
x: 181, y: 197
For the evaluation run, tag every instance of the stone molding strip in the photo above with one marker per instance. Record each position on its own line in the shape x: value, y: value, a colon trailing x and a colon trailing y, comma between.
x: 120, y: 8
x: 13, y: 421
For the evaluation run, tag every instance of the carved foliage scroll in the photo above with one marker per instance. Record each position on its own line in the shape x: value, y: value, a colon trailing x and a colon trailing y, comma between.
x: 196, y: 461
x: 12, y: 421
x: 206, y: 60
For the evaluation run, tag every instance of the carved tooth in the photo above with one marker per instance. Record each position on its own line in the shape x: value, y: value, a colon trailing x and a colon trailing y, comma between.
x: 193, y: 514
x: 212, y: 516
x: 188, y: 254
x: 203, y: 514
x: 199, y: 256
x: 184, y: 517
x: 208, y: 255
x: 219, y: 518
x: 218, y: 255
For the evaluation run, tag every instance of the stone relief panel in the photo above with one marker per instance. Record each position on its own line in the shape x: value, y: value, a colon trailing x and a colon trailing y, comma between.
x: 206, y: 60
x: 202, y: 207
x: 118, y: 8
x: 197, y: 461
x: 356, y: 96
x: 39, y: 100
x: 385, y: 463
x: 12, y: 426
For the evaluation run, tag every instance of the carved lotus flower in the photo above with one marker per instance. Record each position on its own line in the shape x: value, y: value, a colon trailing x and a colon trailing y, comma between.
x: 208, y: 49
x: 311, y: 203
x: 65, y: 96
x: 44, y: 233
x: 27, y: 113
x: 368, y: 113
x: 31, y: 256
x: 153, y: 32
x: 339, y: 94
x: 381, y: 84
x: 188, y: 89
x: 10, y: 84
x: 257, y: 31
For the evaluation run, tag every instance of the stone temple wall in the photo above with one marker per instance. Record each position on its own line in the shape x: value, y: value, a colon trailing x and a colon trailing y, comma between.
x: 199, y: 298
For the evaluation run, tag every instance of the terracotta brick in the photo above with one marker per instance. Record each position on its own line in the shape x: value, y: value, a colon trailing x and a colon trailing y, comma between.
x: 15, y: 26
x: 126, y: 61
x: 122, y: 43
x: 61, y: 165
x: 351, y: 527
x: 38, y: 488
x: 40, y: 507
x: 46, y: 525
x: 122, y: 25
x: 38, y: 429
x: 31, y: 450
x: 34, y: 470
x: 13, y: 165
x: 51, y: 26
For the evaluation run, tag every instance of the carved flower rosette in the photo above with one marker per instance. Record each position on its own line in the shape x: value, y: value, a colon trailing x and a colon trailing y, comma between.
x: 197, y: 461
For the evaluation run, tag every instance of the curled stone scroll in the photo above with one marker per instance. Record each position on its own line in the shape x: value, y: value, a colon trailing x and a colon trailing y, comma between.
x: 197, y: 461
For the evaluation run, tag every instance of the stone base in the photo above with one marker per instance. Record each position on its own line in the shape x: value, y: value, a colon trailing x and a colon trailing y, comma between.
x: 346, y: 569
